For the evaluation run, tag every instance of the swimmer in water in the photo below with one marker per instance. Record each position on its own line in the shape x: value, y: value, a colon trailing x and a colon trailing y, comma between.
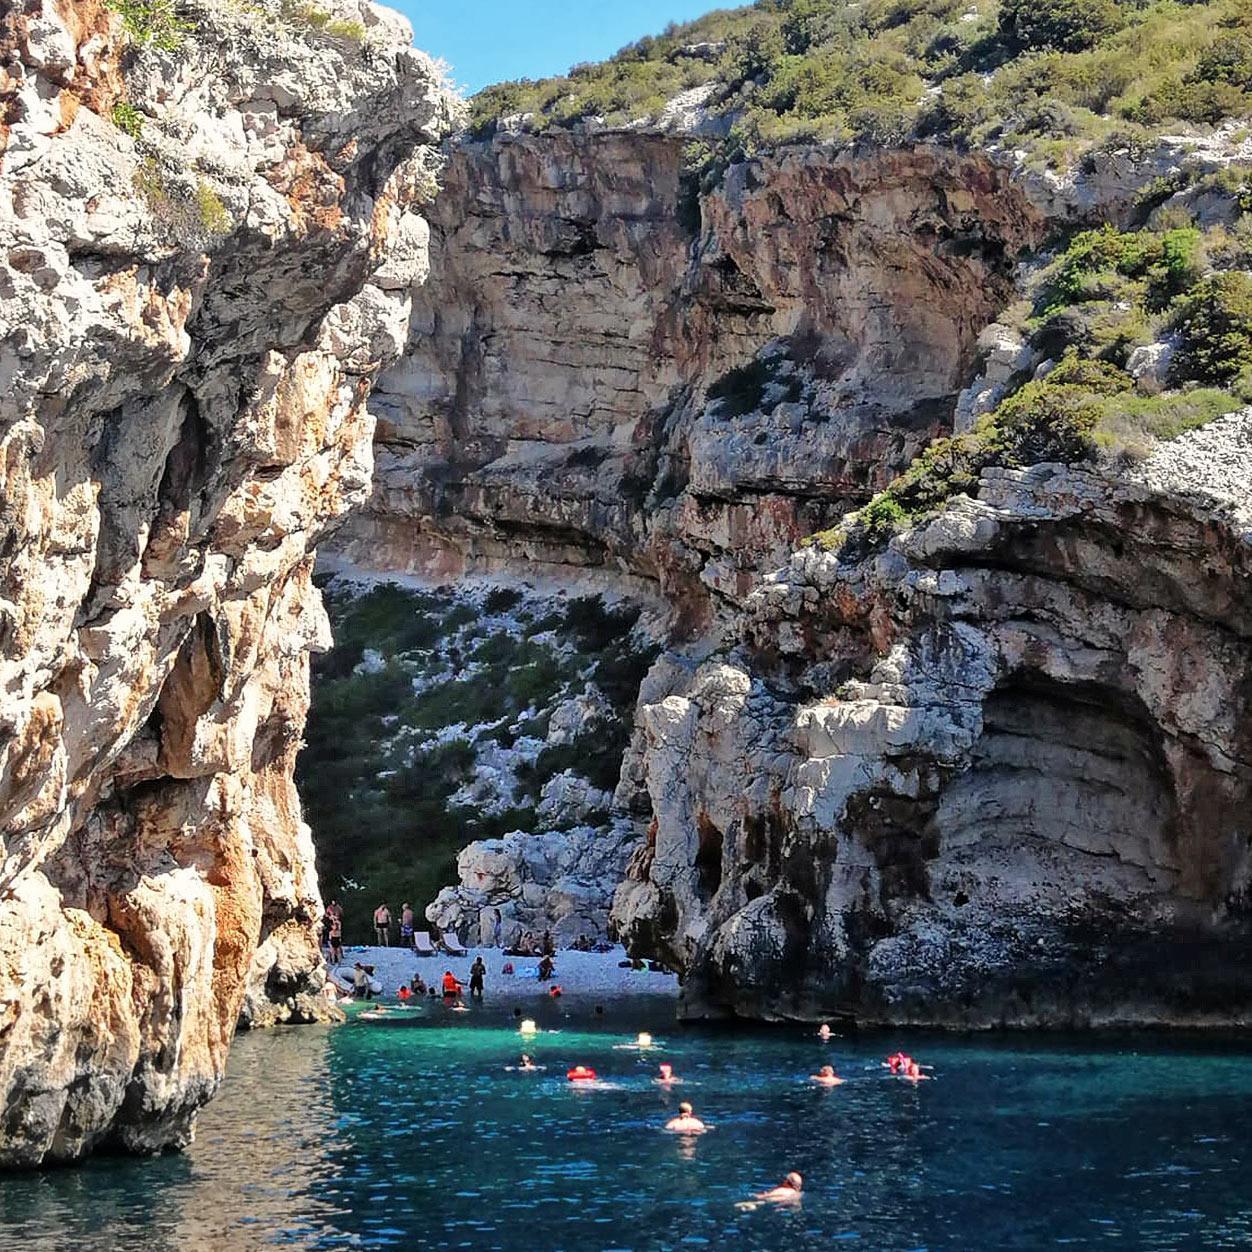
x: 913, y: 1072
x: 667, y: 1075
x: 787, y: 1192
x: 826, y: 1076
x: 526, y: 1065
x: 898, y: 1062
x: 823, y: 1032
x: 686, y: 1123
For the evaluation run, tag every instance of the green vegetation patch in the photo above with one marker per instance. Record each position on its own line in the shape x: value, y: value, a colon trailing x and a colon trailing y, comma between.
x: 419, y: 688
x: 155, y: 23
x: 1052, y: 77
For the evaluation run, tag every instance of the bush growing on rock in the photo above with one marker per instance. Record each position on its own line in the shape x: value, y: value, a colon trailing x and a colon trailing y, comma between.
x: 1066, y: 25
x: 152, y: 22
x: 1216, y: 328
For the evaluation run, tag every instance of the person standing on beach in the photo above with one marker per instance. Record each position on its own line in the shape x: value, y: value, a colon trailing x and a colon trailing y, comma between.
x: 382, y: 925
x: 406, y: 925
x: 477, y: 972
x: 336, y: 936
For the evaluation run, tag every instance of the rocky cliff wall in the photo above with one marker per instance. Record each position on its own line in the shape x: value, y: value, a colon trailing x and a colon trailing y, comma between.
x: 210, y: 236
x: 998, y: 774
x: 992, y: 774
x: 611, y: 371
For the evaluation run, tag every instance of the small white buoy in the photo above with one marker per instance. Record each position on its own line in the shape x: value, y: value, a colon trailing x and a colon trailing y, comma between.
x: 528, y: 1027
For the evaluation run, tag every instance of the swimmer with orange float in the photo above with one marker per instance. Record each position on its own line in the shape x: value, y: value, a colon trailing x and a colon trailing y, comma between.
x: 789, y: 1191
x: 686, y: 1123
x: 581, y: 1073
x: 826, y: 1077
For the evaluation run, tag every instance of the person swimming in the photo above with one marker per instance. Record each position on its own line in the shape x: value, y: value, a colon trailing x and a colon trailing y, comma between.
x: 824, y: 1032
x: 526, y: 1065
x: 898, y: 1062
x: 826, y: 1076
x: 686, y: 1123
x: 913, y: 1072
x: 667, y: 1075
x: 786, y: 1192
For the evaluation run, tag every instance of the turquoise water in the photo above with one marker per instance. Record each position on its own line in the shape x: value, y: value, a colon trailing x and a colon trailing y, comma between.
x: 415, y: 1136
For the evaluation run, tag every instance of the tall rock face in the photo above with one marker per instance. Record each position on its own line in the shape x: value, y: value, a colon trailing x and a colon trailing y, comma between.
x: 610, y: 371
x: 210, y: 240
x: 997, y: 774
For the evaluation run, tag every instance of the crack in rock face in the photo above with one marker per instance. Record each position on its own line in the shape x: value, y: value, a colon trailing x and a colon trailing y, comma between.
x: 196, y: 293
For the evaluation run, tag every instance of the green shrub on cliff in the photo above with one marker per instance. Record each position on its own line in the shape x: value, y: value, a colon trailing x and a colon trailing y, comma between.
x: 1063, y: 25
x: 156, y: 23
x: 1216, y: 328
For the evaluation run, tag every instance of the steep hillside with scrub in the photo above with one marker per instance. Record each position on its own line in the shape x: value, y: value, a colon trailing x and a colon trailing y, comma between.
x: 904, y: 349
x: 450, y: 717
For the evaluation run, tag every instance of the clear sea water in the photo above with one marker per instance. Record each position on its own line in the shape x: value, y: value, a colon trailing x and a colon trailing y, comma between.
x: 416, y: 1136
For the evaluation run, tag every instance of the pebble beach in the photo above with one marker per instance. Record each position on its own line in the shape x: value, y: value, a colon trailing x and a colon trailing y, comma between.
x: 593, y: 976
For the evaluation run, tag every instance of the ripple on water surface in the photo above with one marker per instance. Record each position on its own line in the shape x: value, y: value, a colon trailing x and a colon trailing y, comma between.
x: 417, y: 1136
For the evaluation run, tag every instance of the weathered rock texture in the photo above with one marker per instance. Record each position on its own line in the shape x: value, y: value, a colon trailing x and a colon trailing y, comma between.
x: 999, y: 774
x: 553, y: 403
x: 190, y: 321
x: 996, y: 774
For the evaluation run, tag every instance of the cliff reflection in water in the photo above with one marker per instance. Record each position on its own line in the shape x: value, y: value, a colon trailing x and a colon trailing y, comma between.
x: 263, y: 1151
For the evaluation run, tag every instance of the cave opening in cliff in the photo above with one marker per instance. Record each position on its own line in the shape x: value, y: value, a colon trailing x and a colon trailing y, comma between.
x: 1062, y: 765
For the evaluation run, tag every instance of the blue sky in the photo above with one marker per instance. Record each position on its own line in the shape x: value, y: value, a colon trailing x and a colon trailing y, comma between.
x: 487, y: 41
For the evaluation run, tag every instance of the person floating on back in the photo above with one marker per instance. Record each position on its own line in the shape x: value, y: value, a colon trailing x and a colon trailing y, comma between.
x: 686, y: 1123
x: 826, y: 1076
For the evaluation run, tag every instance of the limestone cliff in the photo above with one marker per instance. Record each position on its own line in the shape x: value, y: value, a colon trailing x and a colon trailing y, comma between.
x: 998, y: 774
x: 994, y: 771
x: 583, y: 387
x: 211, y: 232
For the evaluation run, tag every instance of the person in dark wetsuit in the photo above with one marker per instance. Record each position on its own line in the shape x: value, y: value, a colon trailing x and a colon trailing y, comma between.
x: 477, y: 972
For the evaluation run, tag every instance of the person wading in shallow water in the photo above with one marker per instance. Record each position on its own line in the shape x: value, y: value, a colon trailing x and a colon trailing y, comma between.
x: 478, y: 972
x: 382, y: 925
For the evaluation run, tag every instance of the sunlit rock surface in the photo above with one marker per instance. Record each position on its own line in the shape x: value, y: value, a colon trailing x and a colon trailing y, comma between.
x: 207, y: 254
x: 994, y: 774
x: 998, y: 774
